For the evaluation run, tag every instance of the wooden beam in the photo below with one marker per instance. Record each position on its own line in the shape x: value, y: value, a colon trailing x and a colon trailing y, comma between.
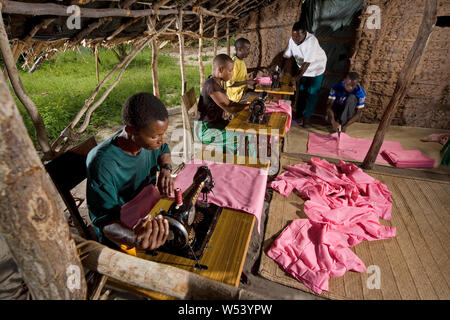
x: 158, y: 277
x: 123, y: 27
x: 32, y: 110
x: 31, y: 214
x: 181, y: 45
x: 200, y: 53
x: 216, y: 31
x: 405, y: 78
x: 227, y: 36
x: 40, y: 9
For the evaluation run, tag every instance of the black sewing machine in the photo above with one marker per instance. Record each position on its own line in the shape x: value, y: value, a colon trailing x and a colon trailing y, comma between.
x: 258, y: 109
x: 275, y: 76
x: 191, y: 223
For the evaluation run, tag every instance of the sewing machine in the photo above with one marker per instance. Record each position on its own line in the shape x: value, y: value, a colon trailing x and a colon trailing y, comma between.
x: 275, y: 76
x: 258, y: 109
x: 191, y: 223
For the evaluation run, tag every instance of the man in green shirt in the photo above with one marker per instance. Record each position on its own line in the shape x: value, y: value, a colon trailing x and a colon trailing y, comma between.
x: 120, y: 167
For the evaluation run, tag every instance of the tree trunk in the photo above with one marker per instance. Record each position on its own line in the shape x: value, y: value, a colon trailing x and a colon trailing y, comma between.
x: 31, y: 215
x: 404, y: 80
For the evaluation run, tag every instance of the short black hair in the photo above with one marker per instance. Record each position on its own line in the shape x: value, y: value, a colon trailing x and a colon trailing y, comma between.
x: 141, y: 109
x: 299, y: 26
x: 239, y: 43
x: 221, y: 60
x: 353, y: 76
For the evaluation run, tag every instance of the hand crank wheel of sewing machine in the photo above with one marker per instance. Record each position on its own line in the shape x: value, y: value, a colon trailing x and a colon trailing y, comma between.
x: 178, y: 235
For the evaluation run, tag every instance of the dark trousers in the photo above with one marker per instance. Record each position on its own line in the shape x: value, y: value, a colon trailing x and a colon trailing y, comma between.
x: 344, y: 113
x: 307, y: 96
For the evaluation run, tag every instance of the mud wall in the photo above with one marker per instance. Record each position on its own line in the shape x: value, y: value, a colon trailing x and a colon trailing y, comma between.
x: 269, y: 31
x: 380, y: 56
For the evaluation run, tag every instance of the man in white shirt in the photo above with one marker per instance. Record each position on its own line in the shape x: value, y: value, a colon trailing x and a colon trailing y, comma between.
x: 311, y: 60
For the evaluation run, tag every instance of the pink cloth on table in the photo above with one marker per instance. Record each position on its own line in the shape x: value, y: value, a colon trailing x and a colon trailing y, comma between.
x: 264, y: 81
x: 343, y: 208
x: 136, y: 209
x: 236, y: 187
x: 349, y: 147
x: 408, y: 159
x: 281, y: 106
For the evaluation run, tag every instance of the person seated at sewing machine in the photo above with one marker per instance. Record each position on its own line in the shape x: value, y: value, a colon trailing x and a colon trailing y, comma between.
x: 214, y: 107
x: 238, y: 85
x: 345, y: 102
x: 120, y: 167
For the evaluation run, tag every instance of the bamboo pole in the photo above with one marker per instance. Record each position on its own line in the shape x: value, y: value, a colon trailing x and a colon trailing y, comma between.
x: 10, y: 64
x: 181, y: 44
x: 404, y: 80
x: 155, y: 276
x: 31, y: 215
x: 200, y: 52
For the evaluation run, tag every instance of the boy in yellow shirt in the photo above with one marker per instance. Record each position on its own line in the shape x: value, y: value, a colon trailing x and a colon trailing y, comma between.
x: 237, y: 86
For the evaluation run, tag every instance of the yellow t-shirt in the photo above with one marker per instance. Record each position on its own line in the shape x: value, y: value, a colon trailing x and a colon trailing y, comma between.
x: 239, y: 74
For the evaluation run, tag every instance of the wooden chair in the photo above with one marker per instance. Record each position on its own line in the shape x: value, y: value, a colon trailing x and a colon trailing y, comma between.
x: 67, y: 171
x: 188, y: 106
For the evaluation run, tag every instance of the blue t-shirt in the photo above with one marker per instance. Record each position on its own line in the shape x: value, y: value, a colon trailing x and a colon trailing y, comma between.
x: 339, y: 94
x: 114, y: 178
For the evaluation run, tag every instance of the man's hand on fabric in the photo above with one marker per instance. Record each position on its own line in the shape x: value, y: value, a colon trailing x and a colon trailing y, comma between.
x: 335, y: 125
x: 165, y: 183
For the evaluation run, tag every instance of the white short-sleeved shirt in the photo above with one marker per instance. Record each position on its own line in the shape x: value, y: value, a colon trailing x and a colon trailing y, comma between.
x: 308, y: 51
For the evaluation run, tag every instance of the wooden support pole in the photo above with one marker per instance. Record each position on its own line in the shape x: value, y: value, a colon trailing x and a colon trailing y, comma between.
x: 181, y: 44
x: 96, y: 64
x: 13, y: 73
x: 123, y: 27
x: 158, y: 277
x: 31, y: 215
x: 405, y: 78
x: 200, y: 53
x: 154, y: 43
x: 227, y: 35
x: 216, y: 31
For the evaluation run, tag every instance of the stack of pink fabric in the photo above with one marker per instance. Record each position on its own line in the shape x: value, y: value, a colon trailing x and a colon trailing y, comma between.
x: 264, y: 81
x: 236, y: 187
x: 408, y: 159
x: 281, y: 106
x: 391, y: 152
x: 343, y: 209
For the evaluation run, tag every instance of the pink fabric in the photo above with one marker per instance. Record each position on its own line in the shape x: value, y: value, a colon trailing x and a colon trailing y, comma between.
x: 343, y: 209
x: 356, y: 149
x: 408, y: 159
x: 281, y: 106
x: 135, y: 210
x: 264, y: 81
x: 236, y: 187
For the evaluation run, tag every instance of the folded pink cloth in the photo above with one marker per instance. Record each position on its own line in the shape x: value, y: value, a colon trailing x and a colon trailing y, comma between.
x: 236, y: 187
x: 264, y: 81
x: 408, y: 159
x: 343, y: 208
x: 281, y: 106
x: 136, y: 209
x: 391, y: 152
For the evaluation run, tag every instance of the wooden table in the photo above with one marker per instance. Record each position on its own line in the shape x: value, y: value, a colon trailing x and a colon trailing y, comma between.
x: 226, y: 252
x: 285, y: 89
x: 276, y: 127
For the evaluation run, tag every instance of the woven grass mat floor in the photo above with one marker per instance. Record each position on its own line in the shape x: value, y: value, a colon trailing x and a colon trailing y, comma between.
x: 413, y: 265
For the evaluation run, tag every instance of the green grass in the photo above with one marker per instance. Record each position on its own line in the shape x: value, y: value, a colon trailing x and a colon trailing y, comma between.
x: 60, y: 87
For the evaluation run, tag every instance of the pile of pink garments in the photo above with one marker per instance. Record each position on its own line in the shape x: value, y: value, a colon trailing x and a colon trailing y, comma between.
x: 343, y: 208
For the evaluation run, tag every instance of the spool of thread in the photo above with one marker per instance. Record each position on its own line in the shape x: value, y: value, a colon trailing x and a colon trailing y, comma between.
x: 178, y: 196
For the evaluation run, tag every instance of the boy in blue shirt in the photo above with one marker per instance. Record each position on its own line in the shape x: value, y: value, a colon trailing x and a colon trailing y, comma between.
x: 345, y: 101
x: 120, y: 167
